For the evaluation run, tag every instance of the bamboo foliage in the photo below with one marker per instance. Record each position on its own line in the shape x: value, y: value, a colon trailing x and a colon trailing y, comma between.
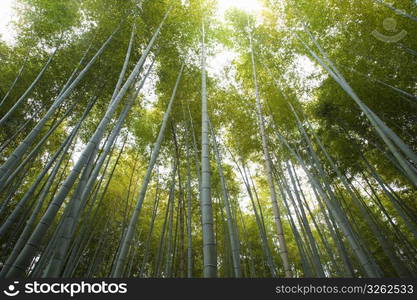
x: 269, y: 168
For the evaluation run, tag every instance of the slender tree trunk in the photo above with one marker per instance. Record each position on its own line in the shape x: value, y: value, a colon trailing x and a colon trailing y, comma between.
x: 158, y: 261
x: 151, y: 226
x: 27, y: 92
x: 18, y: 153
x: 209, y: 244
x: 398, y: 148
x: 189, y: 211
x: 234, y: 240
x: 268, y: 165
x: 19, y: 74
x: 304, y: 262
x: 127, y: 240
x: 396, y: 10
x: 366, y: 260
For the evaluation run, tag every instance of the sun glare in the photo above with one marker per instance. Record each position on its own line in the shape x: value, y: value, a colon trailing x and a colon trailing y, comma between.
x: 249, y: 6
x: 6, y: 14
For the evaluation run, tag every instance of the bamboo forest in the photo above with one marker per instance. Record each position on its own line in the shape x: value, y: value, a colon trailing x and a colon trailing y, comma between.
x: 198, y: 139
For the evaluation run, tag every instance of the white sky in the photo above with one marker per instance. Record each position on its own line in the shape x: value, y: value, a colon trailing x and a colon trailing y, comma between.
x: 224, y: 57
x: 250, y: 6
x: 215, y: 64
x: 6, y: 12
x: 6, y: 16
